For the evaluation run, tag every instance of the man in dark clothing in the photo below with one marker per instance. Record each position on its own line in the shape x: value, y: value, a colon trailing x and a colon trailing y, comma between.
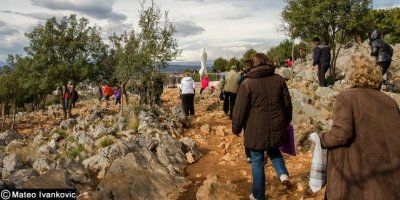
x: 322, y: 58
x: 75, y: 97
x: 382, y: 51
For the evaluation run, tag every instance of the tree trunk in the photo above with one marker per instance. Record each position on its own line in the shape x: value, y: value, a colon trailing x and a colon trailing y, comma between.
x: 70, y: 103
x: 3, y: 115
x: 14, y: 114
x: 291, y: 68
x: 63, y: 100
x: 122, y: 98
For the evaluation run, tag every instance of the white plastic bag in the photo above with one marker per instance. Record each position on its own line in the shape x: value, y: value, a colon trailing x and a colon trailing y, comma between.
x: 318, y: 165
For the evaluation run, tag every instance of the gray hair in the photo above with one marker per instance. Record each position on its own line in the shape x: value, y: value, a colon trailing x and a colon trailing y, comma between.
x: 233, y: 67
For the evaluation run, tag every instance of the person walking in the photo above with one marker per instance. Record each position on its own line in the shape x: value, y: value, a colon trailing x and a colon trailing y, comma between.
x: 108, y: 91
x: 322, y: 58
x: 67, y: 98
x: 363, y: 143
x: 381, y: 51
x: 230, y: 86
x: 204, y: 83
x: 74, y: 97
x: 187, y: 88
x: 118, y: 95
x: 100, y: 94
x: 264, y: 110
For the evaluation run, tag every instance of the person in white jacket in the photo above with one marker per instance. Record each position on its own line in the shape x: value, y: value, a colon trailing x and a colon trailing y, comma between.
x: 187, y: 88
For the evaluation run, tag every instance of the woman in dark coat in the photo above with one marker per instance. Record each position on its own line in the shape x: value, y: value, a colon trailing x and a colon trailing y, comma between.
x: 264, y: 110
x: 363, y: 143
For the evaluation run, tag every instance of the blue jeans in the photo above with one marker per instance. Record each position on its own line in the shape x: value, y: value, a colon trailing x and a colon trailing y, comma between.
x: 257, y: 165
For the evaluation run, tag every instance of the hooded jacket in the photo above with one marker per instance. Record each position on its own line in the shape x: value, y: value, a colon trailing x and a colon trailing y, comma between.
x: 205, y: 82
x: 187, y: 85
x: 263, y: 109
x: 382, y: 51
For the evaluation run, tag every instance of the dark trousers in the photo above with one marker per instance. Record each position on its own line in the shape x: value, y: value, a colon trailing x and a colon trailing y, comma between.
x: 201, y: 90
x: 188, y: 104
x: 229, y: 103
x: 117, y: 101
x: 385, y: 66
x: 322, y: 69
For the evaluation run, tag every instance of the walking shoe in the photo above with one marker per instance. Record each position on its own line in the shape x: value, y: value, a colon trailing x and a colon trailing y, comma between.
x: 248, y: 160
x: 252, y: 197
x: 285, y: 180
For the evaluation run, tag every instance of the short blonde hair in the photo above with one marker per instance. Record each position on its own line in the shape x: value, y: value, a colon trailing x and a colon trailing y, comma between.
x: 364, y: 73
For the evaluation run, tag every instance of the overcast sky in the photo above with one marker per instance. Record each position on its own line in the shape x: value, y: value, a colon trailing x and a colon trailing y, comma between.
x: 223, y: 27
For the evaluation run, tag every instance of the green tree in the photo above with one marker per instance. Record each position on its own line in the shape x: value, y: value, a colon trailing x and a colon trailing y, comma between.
x: 283, y: 51
x: 388, y: 21
x: 248, y: 55
x: 335, y: 21
x: 233, y: 62
x: 69, y: 50
x: 220, y: 65
x: 18, y: 86
x: 142, y: 53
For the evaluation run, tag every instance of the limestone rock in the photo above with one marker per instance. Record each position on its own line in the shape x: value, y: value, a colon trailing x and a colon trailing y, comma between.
x: 190, y: 146
x: 213, y: 190
x: 325, y: 92
x: 42, y: 165
x: 57, y: 179
x: 11, y: 163
x: 68, y: 123
x: 205, y: 129
x: 170, y: 154
x: 15, y: 144
x: 21, y: 176
x: 8, y: 136
x: 137, y: 183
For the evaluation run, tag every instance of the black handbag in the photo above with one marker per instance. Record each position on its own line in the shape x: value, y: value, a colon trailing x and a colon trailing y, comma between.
x: 221, y: 96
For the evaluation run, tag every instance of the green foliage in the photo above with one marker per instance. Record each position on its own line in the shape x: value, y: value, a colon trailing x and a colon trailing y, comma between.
x: 335, y: 21
x: 248, y: 55
x: 63, y: 134
x: 141, y: 54
x: 283, y: 51
x: 388, y: 21
x: 74, y: 152
x: 220, y: 65
x: 233, y: 62
x: 106, y: 142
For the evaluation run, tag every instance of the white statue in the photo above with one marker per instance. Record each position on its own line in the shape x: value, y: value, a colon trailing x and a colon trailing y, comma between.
x: 203, y: 70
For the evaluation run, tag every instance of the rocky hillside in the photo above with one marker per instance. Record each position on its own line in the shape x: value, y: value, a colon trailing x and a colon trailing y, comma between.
x: 101, y: 155
x: 159, y: 154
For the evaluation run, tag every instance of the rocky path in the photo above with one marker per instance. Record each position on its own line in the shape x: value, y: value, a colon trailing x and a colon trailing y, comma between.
x: 222, y: 172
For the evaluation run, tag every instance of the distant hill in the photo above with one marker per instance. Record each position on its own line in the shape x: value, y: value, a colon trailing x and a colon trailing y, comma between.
x: 178, y: 67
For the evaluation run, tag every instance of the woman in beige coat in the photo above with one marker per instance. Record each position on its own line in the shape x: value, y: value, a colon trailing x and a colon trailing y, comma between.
x: 364, y: 142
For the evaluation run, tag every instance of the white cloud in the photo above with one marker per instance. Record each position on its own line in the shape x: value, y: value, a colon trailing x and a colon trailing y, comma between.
x: 224, y: 27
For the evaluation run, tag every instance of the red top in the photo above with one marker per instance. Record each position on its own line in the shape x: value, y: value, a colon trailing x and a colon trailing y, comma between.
x: 205, y: 82
x: 67, y: 95
x: 108, y: 90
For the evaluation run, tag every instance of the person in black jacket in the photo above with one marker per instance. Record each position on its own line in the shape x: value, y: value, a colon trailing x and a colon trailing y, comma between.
x: 322, y: 58
x: 382, y: 51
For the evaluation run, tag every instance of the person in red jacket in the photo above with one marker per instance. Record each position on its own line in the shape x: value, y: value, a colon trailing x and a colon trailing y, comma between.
x: 204, y: 83
x: 67, y: 98
x: 108, y: 92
